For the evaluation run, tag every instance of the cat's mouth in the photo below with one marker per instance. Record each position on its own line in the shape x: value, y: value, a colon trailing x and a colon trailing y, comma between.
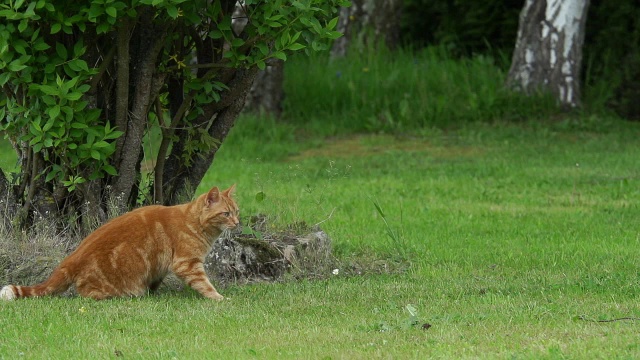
x: 227, y: 230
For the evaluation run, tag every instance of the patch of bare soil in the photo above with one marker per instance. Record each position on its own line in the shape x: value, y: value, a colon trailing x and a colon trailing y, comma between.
x: 371, y: 145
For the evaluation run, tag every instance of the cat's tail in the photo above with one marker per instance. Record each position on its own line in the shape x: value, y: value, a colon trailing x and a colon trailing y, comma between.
x: 58, y: 282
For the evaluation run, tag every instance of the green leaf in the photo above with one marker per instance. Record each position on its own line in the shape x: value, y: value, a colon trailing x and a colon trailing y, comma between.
x: 295, y: 36
x: 225, y: 24
x: 52, y: 174
x: 78, y: 49
x: 95, y: 11
x: 20, y: 46
x: 61, y: 51
x: 263, y: 48
x: 83, y: 89
x: 48, y: 89
x: 48, y: 125
x: 4, y: 78
x: 73, y: 96
x: 261, y: 64
x: 55, y: 28
x: 332, y: 24
x: 237, y: 42
x: 113, y: 135
x: 260, y: 196
x: 103, y: 28
x: 379, y: 209
x: 23, y: 25
x: 296, y: 47
x: 111, y: 11
x: 17, y: 4
x: 172, y: 11
x: 16, y: 65
x: 280, y: 55
x: 95, y: 154
x: 334, y: 34
x: 101, y: 144
x: 34, y: 127
x: 53, y: 113
x: 41, y: 45
x: 110, y: 170
x: 215, y: 34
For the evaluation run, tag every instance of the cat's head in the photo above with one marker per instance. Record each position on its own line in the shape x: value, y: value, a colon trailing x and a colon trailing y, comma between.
x: 219, y: 210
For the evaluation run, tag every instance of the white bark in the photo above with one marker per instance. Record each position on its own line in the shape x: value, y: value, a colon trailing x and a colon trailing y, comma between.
x: 548, y: 52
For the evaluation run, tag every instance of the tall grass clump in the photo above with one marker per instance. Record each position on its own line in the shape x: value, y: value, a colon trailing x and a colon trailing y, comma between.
x: 378, y: 90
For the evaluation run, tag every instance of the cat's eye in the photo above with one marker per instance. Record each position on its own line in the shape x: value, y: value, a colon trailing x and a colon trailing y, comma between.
x: 226, y: 214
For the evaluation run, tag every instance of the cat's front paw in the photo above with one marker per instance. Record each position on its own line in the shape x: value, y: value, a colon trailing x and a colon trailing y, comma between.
x: 216, y: 296
x: 7, y: 293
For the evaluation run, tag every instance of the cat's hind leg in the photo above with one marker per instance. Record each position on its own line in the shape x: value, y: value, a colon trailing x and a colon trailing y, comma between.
x: 100, y: 287
x: 153, y: 287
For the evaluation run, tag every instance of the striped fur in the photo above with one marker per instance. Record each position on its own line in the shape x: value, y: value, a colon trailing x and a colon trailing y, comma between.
x: 131, y: 254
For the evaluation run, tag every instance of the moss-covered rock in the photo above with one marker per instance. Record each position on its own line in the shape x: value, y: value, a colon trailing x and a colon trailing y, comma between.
x: 258, y: 255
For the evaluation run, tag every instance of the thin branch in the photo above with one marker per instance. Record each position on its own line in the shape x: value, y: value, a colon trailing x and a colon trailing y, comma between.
x: 160, y: 159
x: 220, y: 65
x: 7, y: 91
x: 25, y: 171
x: 122, y: 86
x: 35, y: 172
x: 102, y: 69
x: 584, y: 318
x: 328, y: 217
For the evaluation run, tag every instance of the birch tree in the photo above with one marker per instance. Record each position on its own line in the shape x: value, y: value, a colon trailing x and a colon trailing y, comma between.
x: 548, y: 52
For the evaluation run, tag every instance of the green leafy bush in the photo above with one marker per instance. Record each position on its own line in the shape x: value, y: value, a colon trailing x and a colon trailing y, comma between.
x: 82, y: 82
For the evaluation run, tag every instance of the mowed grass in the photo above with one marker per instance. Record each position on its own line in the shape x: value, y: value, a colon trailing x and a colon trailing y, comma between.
x: 516, y: 239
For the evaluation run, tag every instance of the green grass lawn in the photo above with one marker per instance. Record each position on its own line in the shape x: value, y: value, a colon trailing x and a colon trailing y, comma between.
x: 514, y: 238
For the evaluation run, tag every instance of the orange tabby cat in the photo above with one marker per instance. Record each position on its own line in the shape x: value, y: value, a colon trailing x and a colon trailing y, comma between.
x: 131, y: 254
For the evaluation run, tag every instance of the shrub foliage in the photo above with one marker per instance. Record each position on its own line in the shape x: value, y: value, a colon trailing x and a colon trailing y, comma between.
x: 83, y: 82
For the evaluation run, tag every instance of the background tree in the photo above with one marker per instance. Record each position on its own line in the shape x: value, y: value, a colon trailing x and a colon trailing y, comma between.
x: 267, y: 93
x: 463, y: 27
x: 612, y: 55
x: 368, y: 22
x: 548, y: 52
x: 83, y: 82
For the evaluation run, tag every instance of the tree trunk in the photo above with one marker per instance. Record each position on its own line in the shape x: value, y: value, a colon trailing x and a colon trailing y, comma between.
x: 181, y: 179
x: 151, y: 39
x: 7, y: 201
x: 548, y: 53
x: 368, y: 22
x: 267, y: 93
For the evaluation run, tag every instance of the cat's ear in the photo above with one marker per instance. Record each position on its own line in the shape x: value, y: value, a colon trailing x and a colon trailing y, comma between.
x: 213, y: 196
x: 230, y: 191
